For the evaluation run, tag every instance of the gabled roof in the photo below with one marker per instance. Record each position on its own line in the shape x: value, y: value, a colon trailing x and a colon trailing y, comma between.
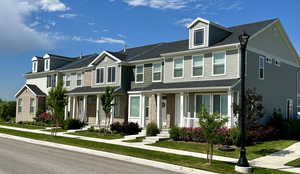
x: 82, y: 61
x: 105, y: 53
x: 33, y: 88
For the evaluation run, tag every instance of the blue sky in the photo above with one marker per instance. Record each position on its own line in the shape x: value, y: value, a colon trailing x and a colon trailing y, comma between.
x: 70, y: 27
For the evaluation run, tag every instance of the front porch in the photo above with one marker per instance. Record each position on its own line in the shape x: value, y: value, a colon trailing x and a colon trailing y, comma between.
x: 179, y: 108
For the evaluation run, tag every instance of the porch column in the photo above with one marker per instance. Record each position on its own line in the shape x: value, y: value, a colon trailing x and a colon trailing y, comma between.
x: 112, y: 111
x: 85, y: 108
x: 66, y: 110
x: 74, y: 107
x: 181, y: 107
x: 143, y: 111
x: 152, y: 110
x: 158, y: 110
x: 97, y: 109
x: 230, y: 115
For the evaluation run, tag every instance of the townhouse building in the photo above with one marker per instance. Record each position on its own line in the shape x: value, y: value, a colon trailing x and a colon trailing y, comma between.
x: 166, y: 83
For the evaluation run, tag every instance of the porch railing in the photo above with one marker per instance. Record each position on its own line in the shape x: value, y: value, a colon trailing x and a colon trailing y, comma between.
x: 191, y: 122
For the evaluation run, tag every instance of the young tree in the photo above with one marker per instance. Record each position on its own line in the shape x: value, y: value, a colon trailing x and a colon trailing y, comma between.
x: 106, y: 101
x: 56, y: 102
x: 210, y: 123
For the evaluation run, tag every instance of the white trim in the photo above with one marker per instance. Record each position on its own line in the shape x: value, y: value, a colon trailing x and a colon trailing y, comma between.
x: 140, y: 107
x: 213, y: 58
x: 193, y: 51
x: 68, y: 75
x: 192, y: 63
x: 205, y: 38
x: 181, y: 109
x: 47, y: 64
x: 146, y: 60
x: 173, y: 68
x: 195, y: 101
x: 277, y: 62
x: 99, y: 74
x: 139, y: 73
x: 104, y: 53
x: 158, y: 109
x: 16, y: 95
x: 79, y: 79
x: 46, y: 56
x: 262, y: 30
x: 111, y: 74
x: 157, y: 72
x: 198, y: 19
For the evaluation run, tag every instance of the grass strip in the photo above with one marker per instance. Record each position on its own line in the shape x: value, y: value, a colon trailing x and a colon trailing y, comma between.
x: 57, y: 130
x: 26, y: 126
x: 198, y: 163
x: 294, y: 163
x: 96, y: 135
x: 254, y: 151
x: 137, y: 140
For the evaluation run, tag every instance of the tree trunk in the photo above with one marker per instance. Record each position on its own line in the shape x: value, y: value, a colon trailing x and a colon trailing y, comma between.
x: 211, y: 152
x: 207, y: 151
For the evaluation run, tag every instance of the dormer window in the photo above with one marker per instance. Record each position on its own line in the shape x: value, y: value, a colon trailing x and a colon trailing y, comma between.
x: 47, y: 64
x: 34, y: 66
x: 199, y: 37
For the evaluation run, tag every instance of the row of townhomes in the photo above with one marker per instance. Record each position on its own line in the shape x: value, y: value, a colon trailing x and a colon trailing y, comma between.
x: 166, y: 83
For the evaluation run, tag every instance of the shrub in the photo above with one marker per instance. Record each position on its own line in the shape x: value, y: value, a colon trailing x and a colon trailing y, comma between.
x: 44, y: 117
x: 131, y: 128
x: 152, y: 129
x: 261, y: 133
x: 174, y: 133
x: 116, y: 127
x: 72, y: 124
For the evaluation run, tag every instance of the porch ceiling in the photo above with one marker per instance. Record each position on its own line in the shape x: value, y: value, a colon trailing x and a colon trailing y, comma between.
x: 89, y: 90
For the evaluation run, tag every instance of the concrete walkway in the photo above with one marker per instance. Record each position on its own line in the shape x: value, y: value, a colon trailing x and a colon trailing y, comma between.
x: 278, y: 159
x: 272, y: 161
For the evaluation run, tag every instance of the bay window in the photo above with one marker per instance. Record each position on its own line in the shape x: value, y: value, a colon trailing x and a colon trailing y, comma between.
x: 135, y: 106
x: 178, y: 67
x: 157, y: 72
x: 219, y: 63
x: 197, y: 69
x: 139, y: 73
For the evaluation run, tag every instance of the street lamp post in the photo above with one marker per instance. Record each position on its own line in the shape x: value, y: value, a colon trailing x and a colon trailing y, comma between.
x: 243, y: 166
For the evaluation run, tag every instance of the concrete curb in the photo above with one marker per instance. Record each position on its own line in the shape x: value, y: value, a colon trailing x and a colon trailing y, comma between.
x: 161, y: 165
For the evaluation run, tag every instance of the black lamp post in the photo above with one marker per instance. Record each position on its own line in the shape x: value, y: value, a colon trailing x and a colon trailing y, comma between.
x: 243, y: 162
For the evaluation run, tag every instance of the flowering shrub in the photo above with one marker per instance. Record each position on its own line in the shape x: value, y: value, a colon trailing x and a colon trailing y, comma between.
x: 44, y: 117
x: 261, y: 133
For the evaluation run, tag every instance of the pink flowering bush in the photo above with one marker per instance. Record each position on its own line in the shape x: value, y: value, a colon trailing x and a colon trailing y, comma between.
x: 44, y: 117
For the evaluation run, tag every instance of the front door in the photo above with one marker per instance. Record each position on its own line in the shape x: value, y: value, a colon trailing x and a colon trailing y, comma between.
x: 165, y: 120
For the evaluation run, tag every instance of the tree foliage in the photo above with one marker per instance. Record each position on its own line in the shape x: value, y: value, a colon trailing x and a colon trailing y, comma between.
x: 107, y: 104
x: 210, y: 123
x: 7, y: 110
x: 56, y: 102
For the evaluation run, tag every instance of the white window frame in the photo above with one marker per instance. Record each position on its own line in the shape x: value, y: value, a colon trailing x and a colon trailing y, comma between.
x: 68, y: 76
x: 99, y: 68
x: 173, y: 68
x: 193, y: 37
x: 47, y: 65
x: 34, y: 66
x: 213, y: 65
x: 31, y: 105
x: 192, y: 70
x: 277, y: 62
x: 141, y: 65
x: 263, y: 67
x: 160, y: 71
x: 81, y: 79
x: 20, y: 105
x: 111, y: 74
x: 195, y: 103
x: 140, y: 107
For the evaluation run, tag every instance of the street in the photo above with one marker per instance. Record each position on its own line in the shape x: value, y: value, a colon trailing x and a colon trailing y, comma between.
x: 24, y: 158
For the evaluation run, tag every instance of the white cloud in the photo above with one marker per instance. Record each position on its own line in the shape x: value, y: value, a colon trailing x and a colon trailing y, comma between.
x: 185, y: 21
x: 68, y: 15
x: 34, y: 24
x: 27, y: 6
x: 122, y: 36
x: 91, y: 23
x: 15, y: 35
x: 160, y: 4
x: 105, y: 30
x: 102, y: 40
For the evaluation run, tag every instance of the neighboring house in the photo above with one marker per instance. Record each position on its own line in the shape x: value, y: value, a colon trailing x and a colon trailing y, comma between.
x: 166, y: 83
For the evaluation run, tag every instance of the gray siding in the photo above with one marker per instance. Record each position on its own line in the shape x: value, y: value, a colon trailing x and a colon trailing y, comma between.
x: 279, y: 84
x: 199, y: 25
x: 216, y: 34
x: 231, y: 66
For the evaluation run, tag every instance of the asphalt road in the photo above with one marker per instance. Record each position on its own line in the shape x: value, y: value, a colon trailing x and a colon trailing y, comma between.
x: 18, y: 157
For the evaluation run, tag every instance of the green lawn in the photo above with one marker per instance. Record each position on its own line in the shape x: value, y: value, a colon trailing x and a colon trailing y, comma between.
x: 97, y: 135
x: 57, y: 130
x: 137, y: 140
x: 295, y: 163
x: 198, y: 163
x: 27, y: 126
x: 255, y: 151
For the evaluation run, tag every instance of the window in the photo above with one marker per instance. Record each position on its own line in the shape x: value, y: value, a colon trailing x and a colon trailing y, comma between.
x: 100, y: 75
x: 156, y: 75
x: 277, y: 63
x: 219, y: 63
x: 134, y: 106
x: 178, y: 68
x: 49, y: 81
x: 202, y: 101
x: 261, y: 67
x: 198, y: 37
x: 147, y: 107
x: 117, y: 113
x: 289, y: 109
x: 111, y: 74
x: 197, y: 66
x: 47, y: 64
x: 53, y: 84
x: 220, y: 104
x: 32, y: 105
x: 34, y: 66
x: 68, y: 80
x: 20, y: 105
x: 269, y: 60
x: 79, y: 79
x: 139, y: 73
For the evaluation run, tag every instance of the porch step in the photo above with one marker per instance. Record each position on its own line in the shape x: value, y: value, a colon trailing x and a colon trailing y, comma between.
x: 164, y: 133
x: 132, y: 137
x: 152, y: 140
